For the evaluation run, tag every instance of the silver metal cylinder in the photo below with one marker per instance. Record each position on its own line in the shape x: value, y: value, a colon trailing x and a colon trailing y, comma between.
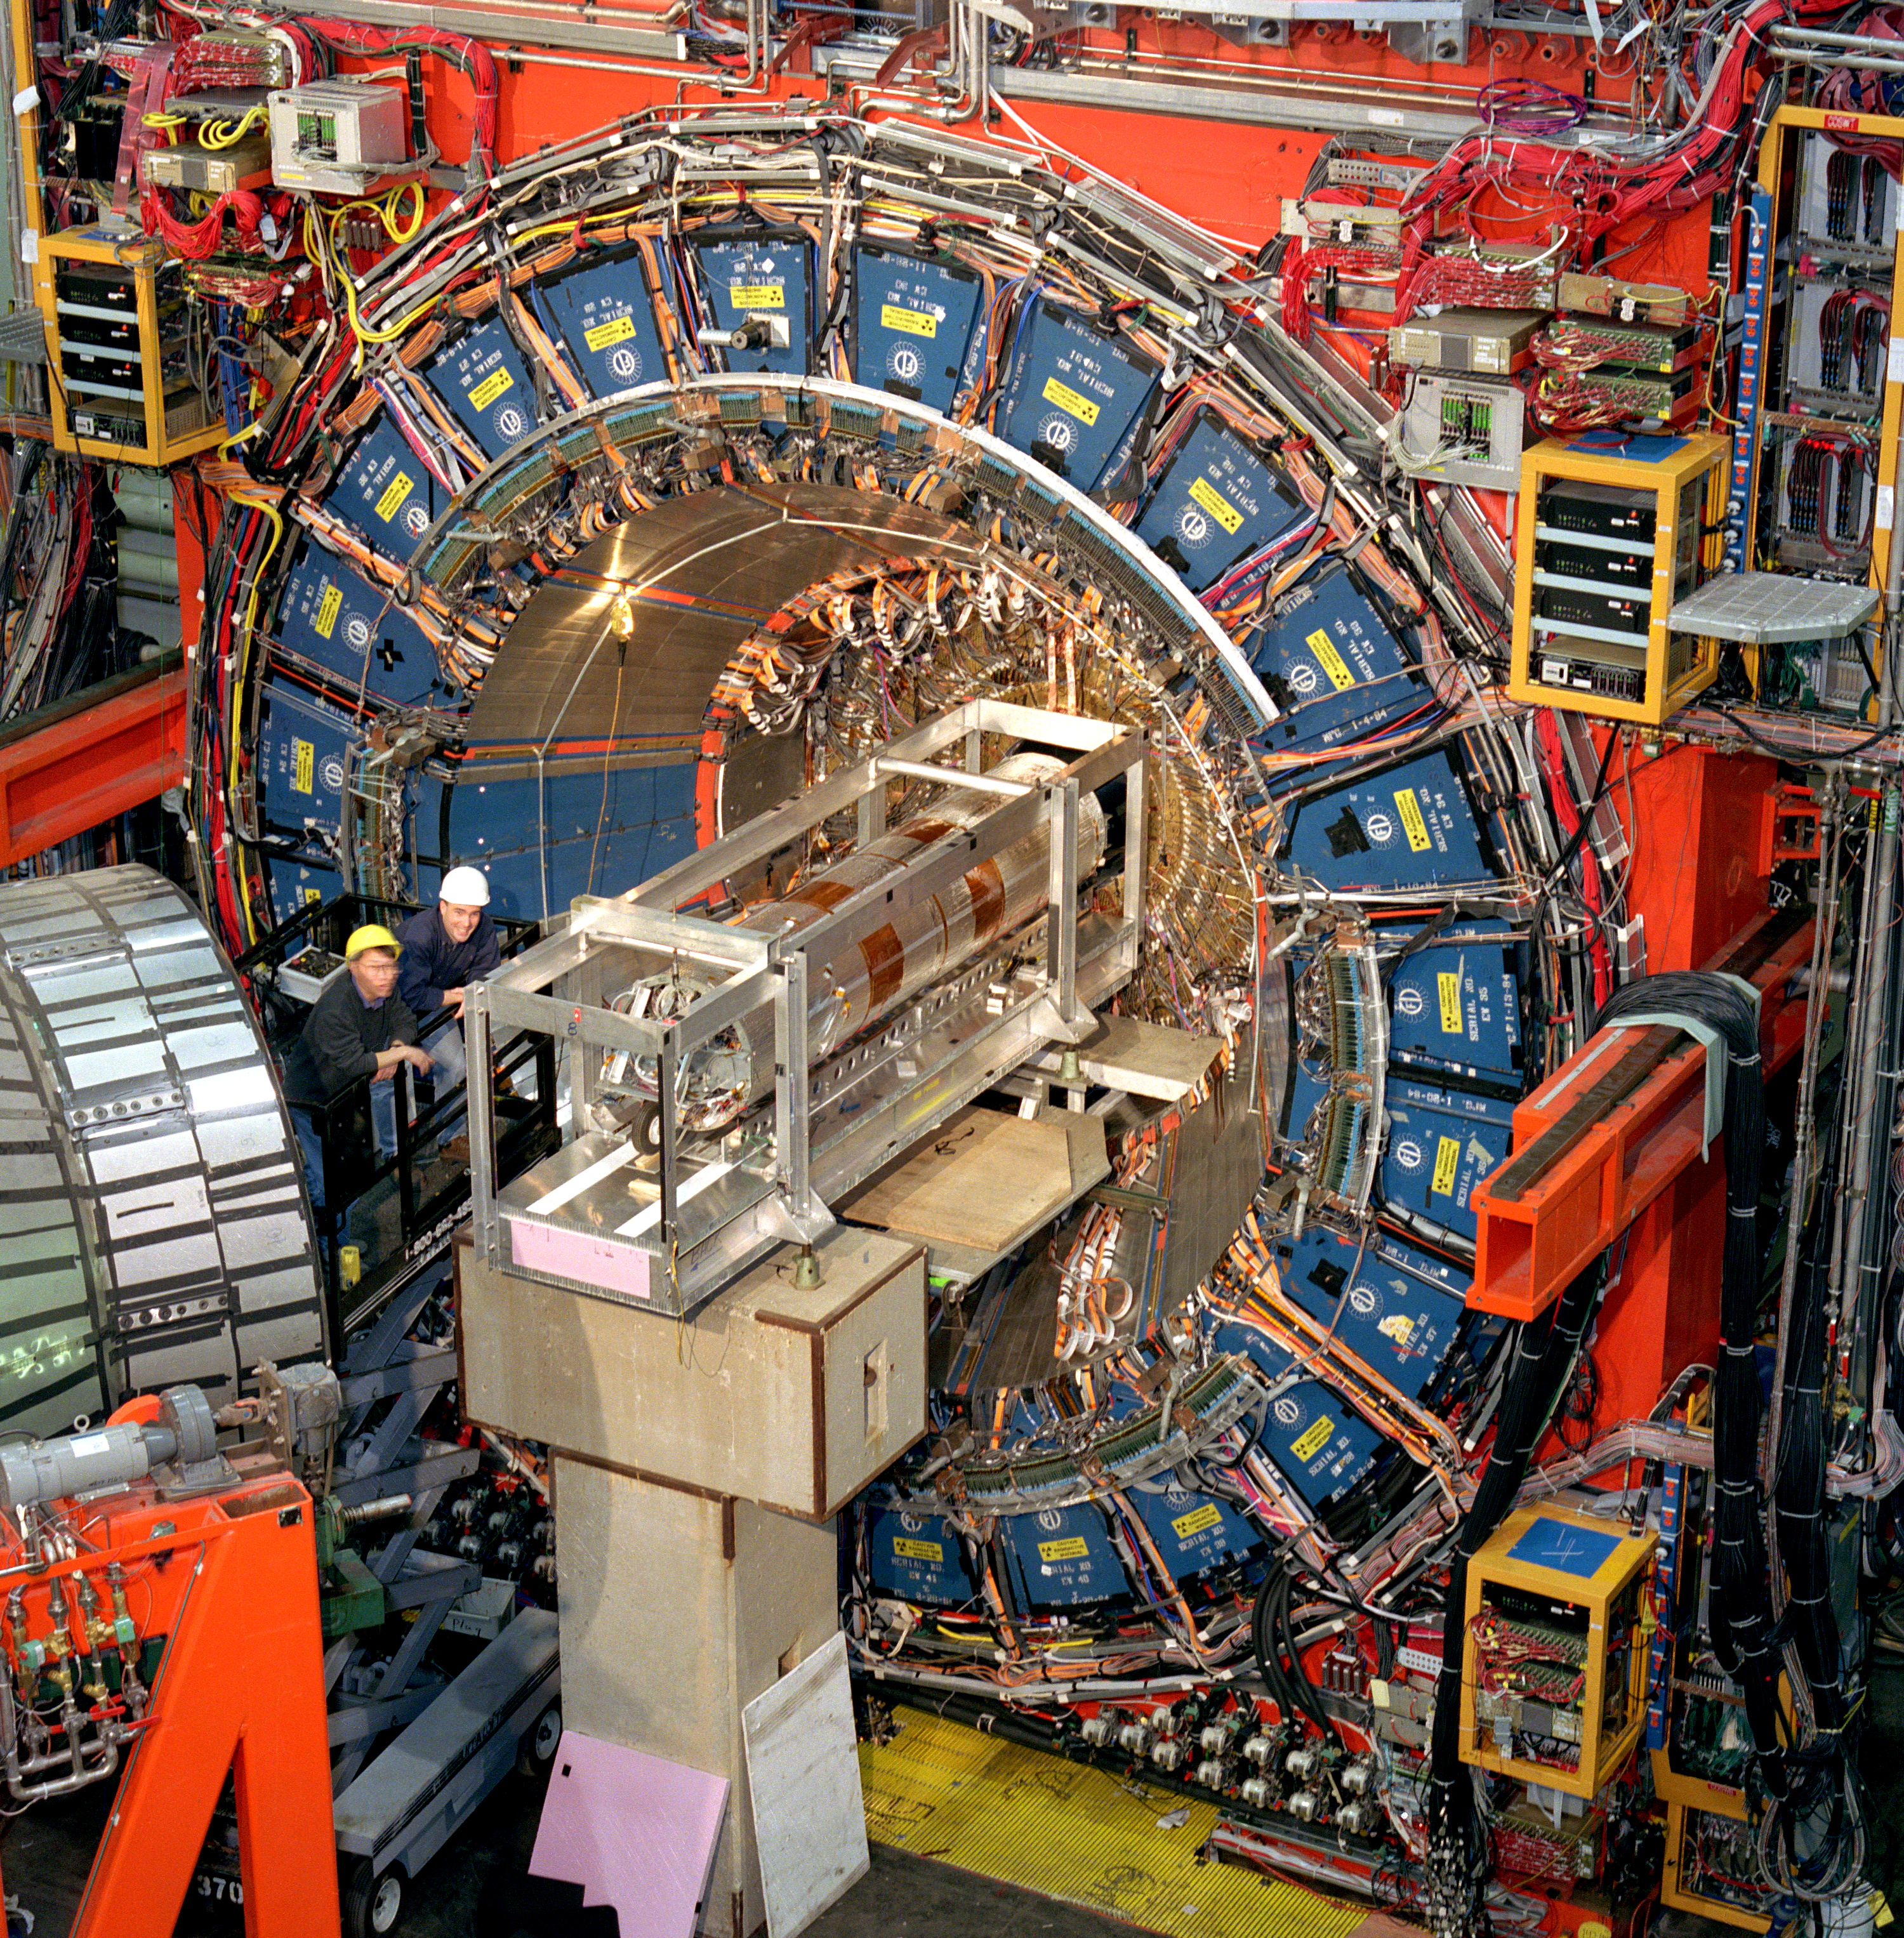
x: 867, y: 980
x: 157, y: 1233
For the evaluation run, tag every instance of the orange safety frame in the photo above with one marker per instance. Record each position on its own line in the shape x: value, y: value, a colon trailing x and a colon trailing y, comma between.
x: 232, y: 1579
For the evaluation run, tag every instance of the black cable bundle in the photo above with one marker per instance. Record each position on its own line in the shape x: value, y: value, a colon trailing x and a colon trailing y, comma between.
x: 1290, y: 1689
x: 1545, y: 1353
x: 1742, y: 1632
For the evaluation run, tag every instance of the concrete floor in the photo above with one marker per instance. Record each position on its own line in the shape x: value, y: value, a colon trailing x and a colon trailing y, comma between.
x: 44, y: 1854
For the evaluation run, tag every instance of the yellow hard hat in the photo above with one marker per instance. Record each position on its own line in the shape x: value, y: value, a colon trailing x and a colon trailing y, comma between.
x: 372, y: 935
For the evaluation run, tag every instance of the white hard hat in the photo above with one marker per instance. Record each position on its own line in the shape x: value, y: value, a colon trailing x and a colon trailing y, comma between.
x: 467, y: 888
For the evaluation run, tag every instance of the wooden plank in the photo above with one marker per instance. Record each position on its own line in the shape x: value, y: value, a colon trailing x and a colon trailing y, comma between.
x: 1146, y: 1059
x: 986, y: 1180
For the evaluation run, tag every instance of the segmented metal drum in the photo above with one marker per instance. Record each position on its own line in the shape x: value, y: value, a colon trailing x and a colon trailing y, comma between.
x: 154, y: 1228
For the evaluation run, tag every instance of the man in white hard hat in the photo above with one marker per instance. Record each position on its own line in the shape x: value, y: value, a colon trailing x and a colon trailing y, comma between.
x: 445, y: 949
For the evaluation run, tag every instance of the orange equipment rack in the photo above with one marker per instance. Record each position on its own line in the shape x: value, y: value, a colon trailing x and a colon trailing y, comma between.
x: 231, y: 1578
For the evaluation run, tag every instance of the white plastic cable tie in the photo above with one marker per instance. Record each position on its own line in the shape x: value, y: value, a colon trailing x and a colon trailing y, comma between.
x: 26, y: 100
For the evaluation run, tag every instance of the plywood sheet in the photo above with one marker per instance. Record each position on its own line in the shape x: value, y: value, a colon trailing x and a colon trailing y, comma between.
x: 985, y: 1180
x: 803, y: 1770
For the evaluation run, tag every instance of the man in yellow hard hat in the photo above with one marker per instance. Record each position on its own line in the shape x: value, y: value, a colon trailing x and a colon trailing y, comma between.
x: 359, y: 1026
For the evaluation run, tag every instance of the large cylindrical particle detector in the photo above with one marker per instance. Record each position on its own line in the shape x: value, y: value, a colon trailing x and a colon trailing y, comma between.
x: 156, y: 1232
x: 923, y: 940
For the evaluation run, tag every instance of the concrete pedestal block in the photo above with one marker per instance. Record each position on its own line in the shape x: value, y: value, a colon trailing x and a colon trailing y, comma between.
x: 678, y: 1607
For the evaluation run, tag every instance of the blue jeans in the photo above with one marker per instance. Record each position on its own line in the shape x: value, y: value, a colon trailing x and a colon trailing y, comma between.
x: 383, y: 1123
x: 450, y: 1067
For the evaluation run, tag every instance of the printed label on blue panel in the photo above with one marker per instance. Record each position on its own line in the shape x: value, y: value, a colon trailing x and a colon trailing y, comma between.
x: 916, y: 1558
x: 1194, y: 1532
x: 605, y: 318
x: 1400, y: 1326
x: 1311, y: 1438
x: 1405, y: 827
x: 1075, y: 398
x: 1062, y: 1556
x: 915, y: 324
x: 1216, y: 502
x: 763, y: 280
x: 330, y: 618
x: 1438, y: 1153
x: 1335, y: 671
x: 301, y: 746
x: 1456, y: 1005
x: 385, y: 491
x: 481, y: 379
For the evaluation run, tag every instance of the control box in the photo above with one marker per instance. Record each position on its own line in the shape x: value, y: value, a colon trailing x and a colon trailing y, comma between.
x: 339, y: 137
x: 1553, y: 1668
x: 116, y: 310
x: 1608, y: 540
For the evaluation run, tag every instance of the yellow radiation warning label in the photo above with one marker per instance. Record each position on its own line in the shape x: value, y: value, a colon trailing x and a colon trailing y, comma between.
x: 1206, y: 494
x: 1330, y: 660
x: 1449, y: 988
x: 913, y: 322
x: 328, y: 606
x: 395, y: 492
x: 304, y: 765
x: 757, y: 296
x: 1073, y: 1547
x: 605, y: 336
x: 1313, y: 1439
x: 491, y: 387
x: 1413, y: 825
x: 1074, y: 403
x: 1194, y: 1522
x: 1447, y: 1156
x: 918, y: 1550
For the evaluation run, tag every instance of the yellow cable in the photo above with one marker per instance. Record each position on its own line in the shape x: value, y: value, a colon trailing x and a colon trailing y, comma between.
x: 239, y: 672
x: 227, y: 134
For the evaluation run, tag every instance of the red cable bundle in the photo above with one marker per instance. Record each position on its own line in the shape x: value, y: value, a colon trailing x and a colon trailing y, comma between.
x: 470, y: 57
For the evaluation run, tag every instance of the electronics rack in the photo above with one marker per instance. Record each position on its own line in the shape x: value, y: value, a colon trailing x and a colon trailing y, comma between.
x: 1610, y: 536
x: 1825, y: 465
x: 1552, y: 1666
x: 1710, y: 1868
x: 122, y: 389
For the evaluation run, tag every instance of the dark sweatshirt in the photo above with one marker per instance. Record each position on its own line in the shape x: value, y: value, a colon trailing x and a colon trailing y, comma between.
x: 341, y: 1036
x: 431, y: 963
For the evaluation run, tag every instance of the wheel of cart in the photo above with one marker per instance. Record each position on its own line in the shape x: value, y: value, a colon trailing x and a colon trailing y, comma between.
x: 540, y: 1742
x: 373, y: 1900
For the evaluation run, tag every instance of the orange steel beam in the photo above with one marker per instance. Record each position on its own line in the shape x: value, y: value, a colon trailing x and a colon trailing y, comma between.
x: 68, y: 768
x: 1614, y: 1127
